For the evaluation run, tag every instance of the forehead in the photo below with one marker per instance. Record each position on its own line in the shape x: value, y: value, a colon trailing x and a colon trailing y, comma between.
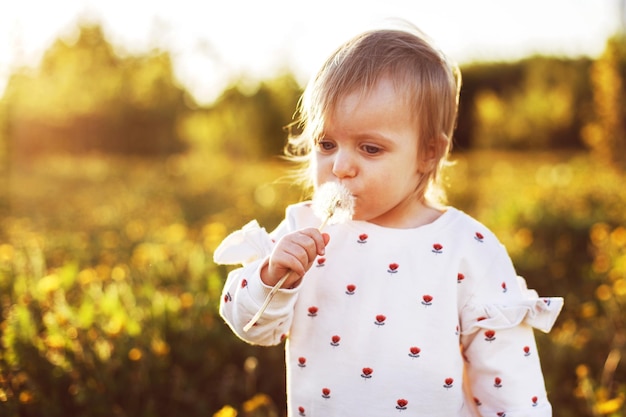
x: 384, y: 96
x: 382, y: 93
x: 379, y: 113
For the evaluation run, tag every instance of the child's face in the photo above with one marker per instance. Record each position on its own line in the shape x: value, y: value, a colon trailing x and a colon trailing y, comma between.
x: 370, y: 145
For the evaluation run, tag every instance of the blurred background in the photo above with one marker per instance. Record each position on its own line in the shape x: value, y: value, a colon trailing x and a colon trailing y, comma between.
x: 135, y: 135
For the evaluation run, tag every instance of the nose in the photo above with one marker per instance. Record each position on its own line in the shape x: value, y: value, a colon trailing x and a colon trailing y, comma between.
x: 344, y: 164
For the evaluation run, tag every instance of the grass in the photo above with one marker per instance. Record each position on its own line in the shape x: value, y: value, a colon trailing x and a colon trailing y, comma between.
x: 109, y: 295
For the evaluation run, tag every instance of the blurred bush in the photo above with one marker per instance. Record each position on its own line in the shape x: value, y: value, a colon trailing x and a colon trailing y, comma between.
x: 109, y: 296
x: 85, y: 97
x: 108, y: 293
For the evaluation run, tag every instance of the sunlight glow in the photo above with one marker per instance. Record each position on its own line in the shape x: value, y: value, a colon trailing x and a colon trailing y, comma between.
x: 214, y: 44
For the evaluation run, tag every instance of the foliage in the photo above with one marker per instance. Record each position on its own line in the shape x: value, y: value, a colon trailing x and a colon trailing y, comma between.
x: 109, y: 297
x: 245, y: 124
x: 606, y: 134
x: 85, y: 97
x: 537, y: 103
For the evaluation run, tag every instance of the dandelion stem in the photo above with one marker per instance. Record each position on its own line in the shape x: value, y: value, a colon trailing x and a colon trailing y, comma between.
x: 274, y: 290
x: 331, y: 200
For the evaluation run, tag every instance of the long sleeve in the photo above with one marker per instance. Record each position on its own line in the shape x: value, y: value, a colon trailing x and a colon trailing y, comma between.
x: 503, y: 367
x: 244, y: 292
x: 242, y: 297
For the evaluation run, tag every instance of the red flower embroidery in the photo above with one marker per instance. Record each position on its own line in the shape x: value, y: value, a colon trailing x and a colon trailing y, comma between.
x: 312, y: 311
x: 367, y: 373
x: 244, y: 283
x: 362, y: 238
x: 393, y: 268
x: 448, y: 383
x: 401, y: 404
x: 350, y: 288
x: 301, y: 411
x: 334, y: 341
x: 325, y: 392
x: 535, y: 401
x: 414, y: 352
x: 490, y: 335
x: 479, y: 237
x: 321, y: 261
x: 380, y: 320
x: 526, y: 350
x: 460, y: 277
x: 427, y: 299
x: 302, y: 362
x: 437, y: 248
x: 497, y: 382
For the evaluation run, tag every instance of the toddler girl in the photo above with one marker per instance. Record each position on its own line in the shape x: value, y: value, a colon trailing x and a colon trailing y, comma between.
x: 411, y: 308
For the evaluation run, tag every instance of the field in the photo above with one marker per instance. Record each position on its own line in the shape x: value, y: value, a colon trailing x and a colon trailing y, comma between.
x: 109, y: 296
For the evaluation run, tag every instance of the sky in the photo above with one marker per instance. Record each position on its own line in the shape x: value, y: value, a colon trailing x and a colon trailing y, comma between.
x: 214, y: 43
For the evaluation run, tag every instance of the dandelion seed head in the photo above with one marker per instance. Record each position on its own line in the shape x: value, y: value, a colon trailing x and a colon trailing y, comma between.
x: 333, y: 203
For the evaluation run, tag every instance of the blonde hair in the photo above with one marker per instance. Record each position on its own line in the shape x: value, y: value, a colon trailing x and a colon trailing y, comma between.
x: 427, y: 78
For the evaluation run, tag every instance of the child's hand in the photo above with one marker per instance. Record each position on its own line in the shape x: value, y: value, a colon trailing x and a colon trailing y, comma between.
x: 295, y: 253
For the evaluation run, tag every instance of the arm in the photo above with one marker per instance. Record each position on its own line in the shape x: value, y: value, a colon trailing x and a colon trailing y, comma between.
x: 248, y: 287
x: 243, y: 295
x: 503, y: 366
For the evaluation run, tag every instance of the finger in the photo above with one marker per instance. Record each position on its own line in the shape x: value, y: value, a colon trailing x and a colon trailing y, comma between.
x: 304, y: 245
x: 291, y: 255
x: 319, y: 239
x: 296, y: 252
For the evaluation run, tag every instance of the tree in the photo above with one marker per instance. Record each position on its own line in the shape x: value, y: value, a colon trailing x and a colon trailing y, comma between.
x: 85, y: 97
x: 245, y: 123
x: 534, y: 105
x: 606, y: 133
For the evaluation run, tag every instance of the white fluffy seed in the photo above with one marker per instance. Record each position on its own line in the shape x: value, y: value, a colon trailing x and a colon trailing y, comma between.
x: 333, y: 203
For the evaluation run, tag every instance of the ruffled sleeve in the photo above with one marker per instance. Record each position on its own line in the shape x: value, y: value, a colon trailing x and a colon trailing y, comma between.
x: 244, y: 246
x: 537, y: 312
x: 502, y: 361
x: 244, y: 292
x: 498, y: 315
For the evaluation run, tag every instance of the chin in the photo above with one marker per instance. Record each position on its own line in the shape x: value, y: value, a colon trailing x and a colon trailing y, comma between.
x: 359, y: 216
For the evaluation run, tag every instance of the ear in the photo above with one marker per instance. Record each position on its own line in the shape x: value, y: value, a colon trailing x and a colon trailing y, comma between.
x: 434, y: 152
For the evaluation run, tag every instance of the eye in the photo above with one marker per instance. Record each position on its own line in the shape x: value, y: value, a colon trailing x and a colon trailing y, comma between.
x: 371, y: 149
x: 325, y: 145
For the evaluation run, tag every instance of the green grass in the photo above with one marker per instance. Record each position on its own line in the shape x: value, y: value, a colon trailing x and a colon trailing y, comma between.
x: 109, y: 296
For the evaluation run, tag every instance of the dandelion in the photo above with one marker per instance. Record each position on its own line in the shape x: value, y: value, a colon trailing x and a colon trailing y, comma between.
x: 333, y: 203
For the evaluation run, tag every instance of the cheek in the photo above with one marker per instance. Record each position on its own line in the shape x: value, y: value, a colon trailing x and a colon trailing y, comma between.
x: 318, y: 177
x: 321, y: 169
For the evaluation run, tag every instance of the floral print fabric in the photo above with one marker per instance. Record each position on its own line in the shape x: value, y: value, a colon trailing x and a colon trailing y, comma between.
x: 427, y: 321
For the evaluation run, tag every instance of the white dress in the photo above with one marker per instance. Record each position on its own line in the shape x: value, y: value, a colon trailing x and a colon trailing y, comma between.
x: 431, y: 321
